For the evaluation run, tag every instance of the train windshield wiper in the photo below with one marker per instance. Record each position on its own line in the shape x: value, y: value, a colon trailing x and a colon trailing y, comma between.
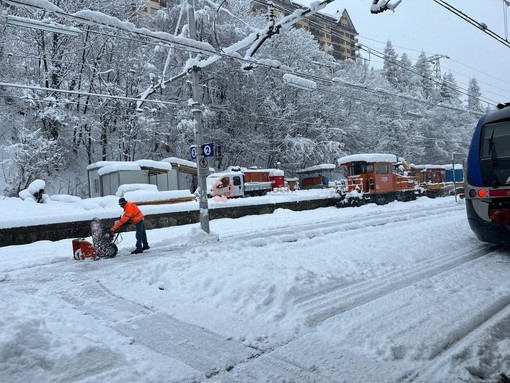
x: 492, y: 149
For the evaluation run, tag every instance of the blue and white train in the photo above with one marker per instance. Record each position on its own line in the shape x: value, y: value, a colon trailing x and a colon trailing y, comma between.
x: 487, y: 181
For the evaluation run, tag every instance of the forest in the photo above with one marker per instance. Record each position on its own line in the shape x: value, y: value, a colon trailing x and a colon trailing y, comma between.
x: 121, y: 91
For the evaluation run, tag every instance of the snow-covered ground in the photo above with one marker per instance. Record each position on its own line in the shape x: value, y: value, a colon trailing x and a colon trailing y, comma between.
x: 397, y: 293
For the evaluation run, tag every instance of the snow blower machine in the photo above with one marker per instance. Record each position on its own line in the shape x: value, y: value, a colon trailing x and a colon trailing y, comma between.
x: 104, y: 243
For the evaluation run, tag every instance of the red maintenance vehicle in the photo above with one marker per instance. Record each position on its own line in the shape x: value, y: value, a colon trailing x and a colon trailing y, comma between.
x: 374, y: 178
x: 244, y: 182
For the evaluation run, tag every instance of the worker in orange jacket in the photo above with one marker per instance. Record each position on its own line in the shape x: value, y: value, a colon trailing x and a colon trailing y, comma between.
x: 133, y: 214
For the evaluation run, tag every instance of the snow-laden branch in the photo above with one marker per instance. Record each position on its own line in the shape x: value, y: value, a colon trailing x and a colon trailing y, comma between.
x: 379, y: 6
x: 251, y: 42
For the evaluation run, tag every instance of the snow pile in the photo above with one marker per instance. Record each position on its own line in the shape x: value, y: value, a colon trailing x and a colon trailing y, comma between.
x: 35, y: 192
x: 125, y: 188
x: 142, y: 196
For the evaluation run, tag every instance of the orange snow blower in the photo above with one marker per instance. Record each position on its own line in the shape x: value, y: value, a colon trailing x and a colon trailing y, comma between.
x: 103, y: 243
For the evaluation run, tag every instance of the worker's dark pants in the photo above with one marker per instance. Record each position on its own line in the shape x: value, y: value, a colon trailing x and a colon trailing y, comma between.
x: 141, y: 236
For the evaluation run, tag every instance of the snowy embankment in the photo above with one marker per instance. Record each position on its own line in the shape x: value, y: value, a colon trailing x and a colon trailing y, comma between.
x: 66, y: 208
x: 395, y: 293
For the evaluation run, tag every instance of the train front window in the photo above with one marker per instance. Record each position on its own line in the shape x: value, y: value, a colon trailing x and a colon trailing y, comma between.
x: 383, y: 168
x: 360, y: 168
x: 496, y: 141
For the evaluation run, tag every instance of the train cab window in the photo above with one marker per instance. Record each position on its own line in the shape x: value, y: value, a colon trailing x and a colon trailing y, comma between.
x: 382, y: 168
x: 360, y: 168
x: 496, y: 140
x: 237, y: 180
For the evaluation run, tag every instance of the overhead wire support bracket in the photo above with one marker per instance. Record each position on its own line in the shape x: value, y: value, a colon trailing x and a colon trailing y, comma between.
x: 273, y: 27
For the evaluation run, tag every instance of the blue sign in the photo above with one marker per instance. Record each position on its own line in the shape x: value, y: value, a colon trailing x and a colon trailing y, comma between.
x: 193, y: 152
x: 208, y: 150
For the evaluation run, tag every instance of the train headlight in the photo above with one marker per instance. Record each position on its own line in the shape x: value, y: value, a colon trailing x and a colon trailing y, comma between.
x: 472, y: 193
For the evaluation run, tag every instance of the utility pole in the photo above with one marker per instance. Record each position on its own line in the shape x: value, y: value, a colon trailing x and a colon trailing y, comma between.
x: 202, y: 163
x: 434, y: 60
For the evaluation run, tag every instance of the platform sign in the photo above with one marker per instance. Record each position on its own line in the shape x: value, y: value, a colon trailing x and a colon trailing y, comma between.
x: 193, y: 152
x: 208, y: 149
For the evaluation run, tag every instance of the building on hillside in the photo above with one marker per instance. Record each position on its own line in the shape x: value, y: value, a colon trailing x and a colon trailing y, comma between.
x: 105, y: 177
x: 336, y: 36
x: 154, y: 5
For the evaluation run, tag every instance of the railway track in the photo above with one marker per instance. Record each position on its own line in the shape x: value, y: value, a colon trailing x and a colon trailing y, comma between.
x: 320, y: 306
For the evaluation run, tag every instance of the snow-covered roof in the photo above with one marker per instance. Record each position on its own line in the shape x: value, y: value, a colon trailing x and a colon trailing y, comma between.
x: 119, y: 166
x: 223, y: 174
x: 154, y: 164
x: 368, y: 157
x: 180, y: 161
x: 428, y: 166
x: 100, y: 164
x: 450, y: 166
x: 107, y: 167
x: 317, y: 167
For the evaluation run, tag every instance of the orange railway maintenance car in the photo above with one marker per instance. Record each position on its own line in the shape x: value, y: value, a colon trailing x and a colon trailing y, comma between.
x: 373, y: 178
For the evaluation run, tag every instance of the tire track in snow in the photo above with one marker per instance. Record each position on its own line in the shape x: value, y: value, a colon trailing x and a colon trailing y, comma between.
x: 496, y: 314
x: 289, y: 233
x: 207, y: 352
x: 321, y: 306
x: 309, y: 230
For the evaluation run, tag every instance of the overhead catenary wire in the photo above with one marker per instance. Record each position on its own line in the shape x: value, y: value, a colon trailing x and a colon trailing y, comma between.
x: 482, y: 26
x: 369, y: 50
x: 229, y: 56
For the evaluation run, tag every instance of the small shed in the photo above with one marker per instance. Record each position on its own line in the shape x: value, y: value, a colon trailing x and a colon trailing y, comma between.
x: 183, y: 175
x: 105, y: 177
x: 316, y: 176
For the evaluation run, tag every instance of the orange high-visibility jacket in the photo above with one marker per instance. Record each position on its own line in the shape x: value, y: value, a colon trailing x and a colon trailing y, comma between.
x: 131, y: 214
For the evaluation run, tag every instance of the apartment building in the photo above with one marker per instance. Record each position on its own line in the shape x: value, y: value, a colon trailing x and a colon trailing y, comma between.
x: 336, y: 35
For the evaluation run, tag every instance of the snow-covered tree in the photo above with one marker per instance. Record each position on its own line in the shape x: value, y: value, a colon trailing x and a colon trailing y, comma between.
x: 474, y: 94
x: 405, y: 72
x: 423, y: 72
x: 449, y: 90
x: 252, y: 116
x: 391, y: 68
x: 31, y: 156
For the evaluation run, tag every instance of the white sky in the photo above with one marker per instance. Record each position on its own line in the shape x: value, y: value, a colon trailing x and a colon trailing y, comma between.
x: 424, y: 24
x: 368, y: 294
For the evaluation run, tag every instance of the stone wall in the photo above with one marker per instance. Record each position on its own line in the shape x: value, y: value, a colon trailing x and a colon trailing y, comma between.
x: 81, y: 229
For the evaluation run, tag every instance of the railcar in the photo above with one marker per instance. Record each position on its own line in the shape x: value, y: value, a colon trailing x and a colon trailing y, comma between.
x: 487, y: 181
x: 372, y: 178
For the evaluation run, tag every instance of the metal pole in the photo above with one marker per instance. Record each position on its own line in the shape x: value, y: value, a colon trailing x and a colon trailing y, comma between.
x: 202, y: 163
x: 453, y: 176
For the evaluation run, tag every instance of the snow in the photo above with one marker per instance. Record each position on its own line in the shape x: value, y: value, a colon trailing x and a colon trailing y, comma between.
x: 316, y: 168
x: 125, y: 188
x: 368, y: 157
x: 299, y: 82
x: 34, y: 187
x: 107, y: 167
x: 401, y: 292
x: 139, y: 196
x: 180, y: 161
